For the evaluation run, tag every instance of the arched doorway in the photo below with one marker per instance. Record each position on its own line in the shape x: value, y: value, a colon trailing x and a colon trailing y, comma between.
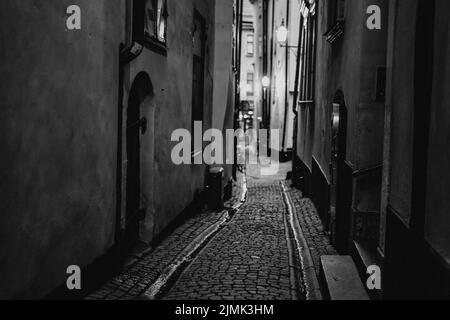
x: 136, y: 126
x: 338, y: 154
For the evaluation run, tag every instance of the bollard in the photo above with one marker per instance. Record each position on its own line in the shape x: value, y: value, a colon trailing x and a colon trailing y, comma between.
x: 215, y: 189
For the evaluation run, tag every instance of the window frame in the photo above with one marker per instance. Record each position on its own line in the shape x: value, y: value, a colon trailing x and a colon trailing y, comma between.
x: 153, y: 42
x: 336, y: 20
x: 251, y: 84
x: 250, y: 44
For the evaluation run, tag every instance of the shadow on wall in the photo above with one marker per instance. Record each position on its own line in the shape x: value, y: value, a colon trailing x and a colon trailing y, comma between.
x: 137, y: 223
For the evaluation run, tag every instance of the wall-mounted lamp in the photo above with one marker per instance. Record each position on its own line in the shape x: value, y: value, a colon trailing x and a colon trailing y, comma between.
x: 265, y: 81
x: 282, y: 36
x: 282, y: 33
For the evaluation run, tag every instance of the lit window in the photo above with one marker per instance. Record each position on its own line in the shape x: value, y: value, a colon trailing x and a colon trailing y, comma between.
x: 250, y: 84
x: 155, y: 19
x: 150, y: 22
x: 250, y: 44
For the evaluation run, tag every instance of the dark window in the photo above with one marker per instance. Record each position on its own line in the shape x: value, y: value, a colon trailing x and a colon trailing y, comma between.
x: 336, y: 11
x: 150, y: 23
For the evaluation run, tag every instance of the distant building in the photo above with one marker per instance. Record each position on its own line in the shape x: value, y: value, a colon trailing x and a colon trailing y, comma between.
x: 251, y: 64
x: 279, y: 62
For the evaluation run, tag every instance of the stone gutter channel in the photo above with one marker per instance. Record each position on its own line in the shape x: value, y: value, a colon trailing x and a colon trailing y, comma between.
x: 309, y: 278
x: 302, y: 271
x: 170, y: 274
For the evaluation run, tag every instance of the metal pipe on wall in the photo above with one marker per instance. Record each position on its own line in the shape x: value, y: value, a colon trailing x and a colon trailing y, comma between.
x: 286, y: 85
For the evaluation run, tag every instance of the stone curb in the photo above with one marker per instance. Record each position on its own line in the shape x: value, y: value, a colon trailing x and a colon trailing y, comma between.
x: 189, y: 253
x: 312, y: 286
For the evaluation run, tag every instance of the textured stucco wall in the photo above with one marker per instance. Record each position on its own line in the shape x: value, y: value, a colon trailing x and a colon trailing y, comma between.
x: 224, y: 84
x: 222, y: 61
x: 369, y: 128
x: 58, y: 136
x: 349, y: 65
x: 438, y: 207
x: 171, y: 109
x: 370, y: 113
x: 338, y: 68
x: 402, y: 119
x: 437, y: 220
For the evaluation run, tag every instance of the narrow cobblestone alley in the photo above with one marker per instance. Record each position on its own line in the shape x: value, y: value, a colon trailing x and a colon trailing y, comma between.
x: 183, y: 154
x: 249, y: 258
x: 252, y: 256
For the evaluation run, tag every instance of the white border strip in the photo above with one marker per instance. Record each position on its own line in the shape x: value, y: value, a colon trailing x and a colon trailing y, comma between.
x: 309, y: 272
x: 188, y: 252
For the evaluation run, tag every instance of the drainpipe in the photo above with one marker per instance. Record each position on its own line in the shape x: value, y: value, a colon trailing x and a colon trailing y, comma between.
x: 286, y: 85
x: 269, y: 101
x: 239, y: 9
x: 295, y: 173
x: 269, y: 73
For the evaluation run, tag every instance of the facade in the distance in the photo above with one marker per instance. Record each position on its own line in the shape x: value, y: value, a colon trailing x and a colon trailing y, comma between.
x: 251, y: 65
x: 279, y: 60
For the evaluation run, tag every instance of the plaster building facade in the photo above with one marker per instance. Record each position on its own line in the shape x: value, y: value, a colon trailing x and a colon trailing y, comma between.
x: 86, y: 123
x: 280, y: 62
x: 251, y: 65
x: 341, y: 119
x: 415, y: 222
x: 370, y: 134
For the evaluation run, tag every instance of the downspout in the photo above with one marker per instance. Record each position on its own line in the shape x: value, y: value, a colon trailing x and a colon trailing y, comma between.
x: 239, y: 9
x: 286, y: 85
x: 295, y: 173
x: 269, y: 102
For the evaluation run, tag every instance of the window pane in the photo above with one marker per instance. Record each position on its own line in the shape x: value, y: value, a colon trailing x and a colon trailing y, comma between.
x: 162, y: 17
x: 340, y: 14
x: 150, y: 18
x: 250, y: 44
x: 250, y: 83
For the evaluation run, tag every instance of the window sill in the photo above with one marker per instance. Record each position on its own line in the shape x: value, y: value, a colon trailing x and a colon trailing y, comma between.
x: 155, y: 45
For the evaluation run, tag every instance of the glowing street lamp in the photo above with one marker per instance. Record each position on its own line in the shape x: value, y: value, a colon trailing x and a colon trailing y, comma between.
x: 265, y: 81
x: 282, y: 33
x: 282, y: 36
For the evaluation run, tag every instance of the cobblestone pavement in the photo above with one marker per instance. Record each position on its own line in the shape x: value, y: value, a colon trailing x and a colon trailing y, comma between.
x: 312, y: 227
x: 149, y: 265
x: 247, y: 259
